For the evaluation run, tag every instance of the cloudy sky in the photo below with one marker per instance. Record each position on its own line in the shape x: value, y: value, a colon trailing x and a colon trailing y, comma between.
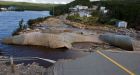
x: 43, y: 1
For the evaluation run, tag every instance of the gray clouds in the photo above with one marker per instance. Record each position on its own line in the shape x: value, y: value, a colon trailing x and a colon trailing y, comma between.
x: 44, y: 1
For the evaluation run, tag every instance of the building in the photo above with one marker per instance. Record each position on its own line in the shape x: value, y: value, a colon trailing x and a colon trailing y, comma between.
x: 78, y: 8
x: 84, y: 13
x: 11, y: 8
x: 82, y: 7
x: 3, y: 9
x: 121, y: 24
x: 103, y: 10
x: 81, y: 10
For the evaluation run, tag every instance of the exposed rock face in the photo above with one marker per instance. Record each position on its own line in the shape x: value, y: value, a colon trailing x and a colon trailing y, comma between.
x: 50, y: 40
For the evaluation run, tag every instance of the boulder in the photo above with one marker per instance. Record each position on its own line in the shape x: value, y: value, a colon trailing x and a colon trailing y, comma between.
x: 50, y: 40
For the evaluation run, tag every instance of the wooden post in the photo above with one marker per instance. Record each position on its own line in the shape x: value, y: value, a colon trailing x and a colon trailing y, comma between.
x: 12, y: 64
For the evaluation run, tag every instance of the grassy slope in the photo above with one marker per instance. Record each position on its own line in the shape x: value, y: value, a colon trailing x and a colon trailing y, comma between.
x: 28, y: 6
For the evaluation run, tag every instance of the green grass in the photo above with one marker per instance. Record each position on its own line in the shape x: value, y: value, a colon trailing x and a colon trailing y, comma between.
x: 28, y: 6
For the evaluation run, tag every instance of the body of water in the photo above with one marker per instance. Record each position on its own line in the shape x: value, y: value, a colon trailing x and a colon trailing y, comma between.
x: 9, y: 22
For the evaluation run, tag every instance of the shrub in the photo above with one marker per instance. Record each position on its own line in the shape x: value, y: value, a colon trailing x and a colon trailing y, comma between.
x: 91, y: 20
x: 112, y: 21
x: 127, y: 10
x: 21, y: 27
x: 75, y: 17
x: 95, y: 13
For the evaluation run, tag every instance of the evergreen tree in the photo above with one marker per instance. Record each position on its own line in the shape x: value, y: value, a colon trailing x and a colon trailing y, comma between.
x: 81, y: 2
x: 128, y: 10
x: 62, y: 9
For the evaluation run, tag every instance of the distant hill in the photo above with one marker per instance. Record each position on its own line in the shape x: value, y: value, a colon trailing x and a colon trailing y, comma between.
x: 28, y: 6
x: 62, y: 9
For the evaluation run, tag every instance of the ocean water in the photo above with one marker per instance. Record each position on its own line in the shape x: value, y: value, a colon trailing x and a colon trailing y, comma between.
x: 9, y: 22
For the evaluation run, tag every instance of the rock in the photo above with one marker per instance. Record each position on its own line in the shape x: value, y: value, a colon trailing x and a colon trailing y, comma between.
x: 37, y: 29
x: 50, y: 40
x: 28, y: 29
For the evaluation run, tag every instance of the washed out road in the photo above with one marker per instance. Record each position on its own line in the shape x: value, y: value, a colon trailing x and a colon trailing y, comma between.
x: 103, y: 63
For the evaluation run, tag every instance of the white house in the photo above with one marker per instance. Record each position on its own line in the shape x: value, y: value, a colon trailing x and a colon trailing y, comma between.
x: 81, y: 10
x: 105, y: 11
x: 121, y: 24
x: 3, y: 9
x: 102, y: 8
x: 78, y: 8
x: 10, y: 8
x: 84, y: 13
x: 82, y: 7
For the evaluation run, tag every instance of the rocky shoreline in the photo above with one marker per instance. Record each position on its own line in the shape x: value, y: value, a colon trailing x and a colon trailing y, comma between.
x: 55, y: 32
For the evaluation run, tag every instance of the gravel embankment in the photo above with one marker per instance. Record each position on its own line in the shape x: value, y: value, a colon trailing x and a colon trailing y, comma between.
x: 21, y: 69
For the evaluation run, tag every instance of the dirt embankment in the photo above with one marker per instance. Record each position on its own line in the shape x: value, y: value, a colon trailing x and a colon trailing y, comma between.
x: 106, y: 29
x: 114, y: 31
x: 21, y: 69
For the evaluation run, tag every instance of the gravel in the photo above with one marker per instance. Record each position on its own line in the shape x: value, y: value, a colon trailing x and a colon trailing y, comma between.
x: 21, y: 69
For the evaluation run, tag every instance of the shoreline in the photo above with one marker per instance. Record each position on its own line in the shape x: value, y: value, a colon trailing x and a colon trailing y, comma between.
x: 51, y: 25
x: 54, y: 27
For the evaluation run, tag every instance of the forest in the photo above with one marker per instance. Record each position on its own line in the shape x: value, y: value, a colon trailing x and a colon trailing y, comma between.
x: 127, y: 10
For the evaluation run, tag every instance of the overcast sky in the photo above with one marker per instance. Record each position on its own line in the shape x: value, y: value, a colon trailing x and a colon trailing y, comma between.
x: 44, y: 1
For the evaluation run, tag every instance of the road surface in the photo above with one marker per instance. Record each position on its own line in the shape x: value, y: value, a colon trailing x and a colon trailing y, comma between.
x: 101, y: 63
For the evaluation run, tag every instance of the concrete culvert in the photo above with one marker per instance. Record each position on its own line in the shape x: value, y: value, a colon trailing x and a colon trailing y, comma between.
x: 121, y: 41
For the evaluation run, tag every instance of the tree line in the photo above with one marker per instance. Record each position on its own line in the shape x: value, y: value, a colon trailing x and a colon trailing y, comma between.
x: 127, y: 10
x: 62, y: 9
